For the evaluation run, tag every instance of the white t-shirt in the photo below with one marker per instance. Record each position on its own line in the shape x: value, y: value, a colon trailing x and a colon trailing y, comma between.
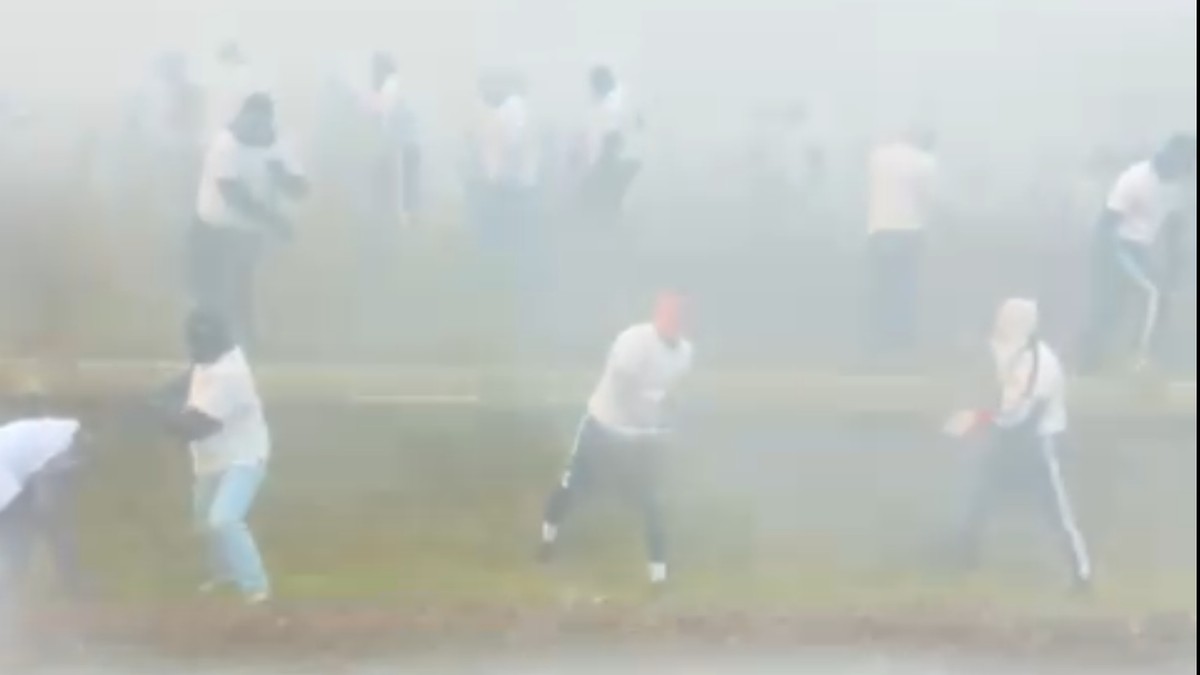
x: 640, y: 371
x: 1018, y: 400
x: 902, y: 183
x: 228, y: 159
x: 611, y: 115
x: 225, y: 391
x: 26, y: 447
x: 394, y: 112
x: 1144, y: 202
x: 510, y: 144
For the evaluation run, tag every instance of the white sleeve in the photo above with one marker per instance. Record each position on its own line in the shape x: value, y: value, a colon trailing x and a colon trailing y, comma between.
x: 1128, y: 195
x: 222, y: 393
x: 221, y: 162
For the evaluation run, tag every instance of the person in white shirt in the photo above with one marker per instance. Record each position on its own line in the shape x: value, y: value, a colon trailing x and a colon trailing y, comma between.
x: 609, y: 145
x: 38, y: 458
x: 1023, y: 430
x: 223, y: 422
x: 621, y: 434
x: 396, y: 171
x: 245, y: 185
x: 504, y: 172
x: 1143, y: 212
x: 902, y: 182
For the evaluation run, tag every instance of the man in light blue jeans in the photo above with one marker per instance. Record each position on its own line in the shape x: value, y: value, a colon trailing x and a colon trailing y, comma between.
x: 223, y: 422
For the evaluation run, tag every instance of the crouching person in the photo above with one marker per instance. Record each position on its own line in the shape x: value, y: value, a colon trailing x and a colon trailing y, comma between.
x: 38, y: 460
x: 1024, y: 431
x: 222, y: 420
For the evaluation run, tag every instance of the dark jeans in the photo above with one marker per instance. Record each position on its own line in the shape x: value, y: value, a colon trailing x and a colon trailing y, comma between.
x: 893, y: 290
x: 631, y: 465
x: 223, y: 262
x: 1020, y: 461
x: 43, y: 511
x: 1124, y: 280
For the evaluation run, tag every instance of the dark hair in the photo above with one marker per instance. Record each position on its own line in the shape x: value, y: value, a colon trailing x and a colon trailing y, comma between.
x: 1177, y: 157
x: 602, y: 80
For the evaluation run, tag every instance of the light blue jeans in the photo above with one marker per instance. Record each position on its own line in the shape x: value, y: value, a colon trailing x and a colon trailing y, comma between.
x: 221, y: 502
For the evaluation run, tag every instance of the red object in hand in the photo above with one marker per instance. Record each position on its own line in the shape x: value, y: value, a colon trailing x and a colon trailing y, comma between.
x: 983, y: 418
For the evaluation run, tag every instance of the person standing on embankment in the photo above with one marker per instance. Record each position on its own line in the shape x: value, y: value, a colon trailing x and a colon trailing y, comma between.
x: 1137, y: 252
x: 903, y: 178
x: 245, y: 182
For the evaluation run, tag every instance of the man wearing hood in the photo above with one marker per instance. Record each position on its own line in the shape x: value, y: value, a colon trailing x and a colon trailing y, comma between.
x: 1023, y: 429
x: 1137, y: 253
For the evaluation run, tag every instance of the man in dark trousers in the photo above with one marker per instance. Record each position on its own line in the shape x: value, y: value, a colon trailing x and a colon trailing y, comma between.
x: 240, y: 205
x: 1023, y: 436
x: 620, y: 437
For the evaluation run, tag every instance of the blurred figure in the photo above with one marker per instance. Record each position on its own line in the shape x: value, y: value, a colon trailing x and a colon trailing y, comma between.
x: 1143, y: 212
x: 397, y: 164
x: 222, y: 421
x: 1024, y: 433
x: 788, y: 164
x: 506, y: 173
x: 228, y: 82
x: 167, y: 126
x: 609, y: 158
x: 902, y: 182
x: 39, y: 454
x: 621, y: 435
x: 244, y: 185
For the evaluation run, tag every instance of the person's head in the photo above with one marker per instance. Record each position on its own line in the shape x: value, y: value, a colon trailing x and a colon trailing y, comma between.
x: 208, y: 337
x: 171, y: 66
x: 254, y: 123
x: 383, y: 66
x: 1016, y: 326
x: 1176, y: 159
x: 923, y: 136
x: 230, y: 53
x: 669, y: 316
x: 601, y: 81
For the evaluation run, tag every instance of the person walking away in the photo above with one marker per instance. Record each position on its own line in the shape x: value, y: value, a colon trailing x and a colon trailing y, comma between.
x: 245, y: 182
x: 39, y: 457
x: 222, y: 421
x: 1137, y: 253
x: 1023, y: 435
x: 610, y: 162
x: 902, y: 182
x: 622, y: 433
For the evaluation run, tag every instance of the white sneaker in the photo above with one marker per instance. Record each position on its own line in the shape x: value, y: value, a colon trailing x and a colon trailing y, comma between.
x: 258, y: 599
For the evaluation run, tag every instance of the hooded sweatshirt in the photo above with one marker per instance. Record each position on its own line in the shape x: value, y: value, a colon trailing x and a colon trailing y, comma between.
x: 1028, y: 385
